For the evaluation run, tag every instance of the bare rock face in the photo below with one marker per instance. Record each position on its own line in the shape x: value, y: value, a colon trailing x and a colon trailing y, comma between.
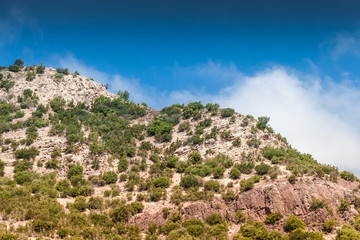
x: 269, y: 197
x: 296, y: 199
x: 47, y: 87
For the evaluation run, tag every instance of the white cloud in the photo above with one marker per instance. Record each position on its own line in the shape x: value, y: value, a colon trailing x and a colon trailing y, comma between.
x: 343, y: 44
x: 216, y: 72
x: 317, y: 116
x: 12, y: 25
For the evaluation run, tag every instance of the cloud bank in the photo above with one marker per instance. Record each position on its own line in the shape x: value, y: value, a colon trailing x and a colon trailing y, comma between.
x: 317, y: 116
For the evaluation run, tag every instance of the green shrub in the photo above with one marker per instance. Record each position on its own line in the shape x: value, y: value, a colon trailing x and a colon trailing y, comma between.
x: 192, y: 110
x: 124, y: 95
x: 123, y: 165
x: 57, y: 104
x: 64, y: 71
x: 30, y: 76
x: 219, y: 231
x: 195, y: 230
x: 155, y: 194
x: 347, y: 233
x: 79, y: 204
x: 2, y: 167
x: 56, y: 153
x: 127, y: 110
x: 253, y: 230
x: 245, y: 122
x: 24, y: 165
x: 63, y: 232
x: 229, y: 196
x: 191, y: 222
x: 262, y: 169
x: 270, y: 152
x: 348, y: 176
x: 253, y: 142
x: 95, y: 203
x: 52, y: 164
x: 190, y: 181
x: 161, y: 182
x: 275, y: 235
x: 248, y: 184
x: 194, y: 157
x: 245, y: 168
x: 292, y: 223
x: 120, y: 214
x: 344, y: 206
x: 218, y: 171
x: 195, y: 140
x: 302, y: 234
x: 109, y: 177
x: 176, y: 196
x: 262, y: 122
x: 214, y: 219
x: 239, y: 216
x: 7, y: 84
x: 199, y: 170
x: 155, y: 158
x: 171, y: 163
x: 235, y: 173
x: 213, y: 108
x: 74, y: 170
x: 184, y: 126
x: 24, y: 177
x: 212, y: 185
x: 161, y: 130
x: 170, y: 227
x: 40, y: 69
x: 329, y: 225
x: 41, y: 225
x: 26, y: 153
x: 254, y: 130
x: 227, y: 112
x: 181, y: 166
x: 225, y: 135
x: 19, y: 63
x: 274, y: 172
x: 59, y: 76
x: 172, y: 110
x: 165, y: 212
x: 292, y: 179
x: 273, y: 218
x: 236, y: 142
x: 14, y: 68
x: 136, y: 207
x: 317, y: 203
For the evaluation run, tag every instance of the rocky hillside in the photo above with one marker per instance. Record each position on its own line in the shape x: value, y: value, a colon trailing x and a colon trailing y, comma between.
x: 78, y: 162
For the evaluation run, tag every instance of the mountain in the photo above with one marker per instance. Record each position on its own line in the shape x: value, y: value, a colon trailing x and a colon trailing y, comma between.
x: 78, y: 162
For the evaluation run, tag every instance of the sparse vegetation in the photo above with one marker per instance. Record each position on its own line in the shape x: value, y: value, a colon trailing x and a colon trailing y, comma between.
x: 113, y: 159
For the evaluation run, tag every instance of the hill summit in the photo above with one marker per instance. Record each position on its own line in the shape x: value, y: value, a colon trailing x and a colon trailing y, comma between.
x: 78, y: 162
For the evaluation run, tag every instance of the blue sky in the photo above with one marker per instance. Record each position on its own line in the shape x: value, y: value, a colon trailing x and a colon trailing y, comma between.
x: 295, y: 61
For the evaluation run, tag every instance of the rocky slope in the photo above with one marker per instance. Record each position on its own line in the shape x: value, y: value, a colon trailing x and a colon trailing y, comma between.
x: 182, y: 163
